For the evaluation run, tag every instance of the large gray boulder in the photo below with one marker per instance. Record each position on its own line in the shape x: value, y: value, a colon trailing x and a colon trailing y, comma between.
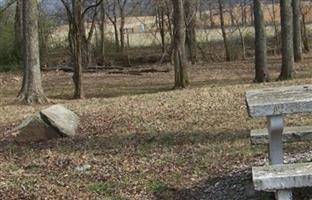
x: 53, y: 122
x: 62, y: 119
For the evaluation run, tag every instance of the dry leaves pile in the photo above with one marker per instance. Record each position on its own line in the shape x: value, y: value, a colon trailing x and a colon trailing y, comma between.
x: 138, y: 138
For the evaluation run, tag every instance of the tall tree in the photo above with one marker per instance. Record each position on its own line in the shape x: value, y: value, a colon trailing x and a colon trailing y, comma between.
x: 160, y: 15
x: 18, y: 25
x: 180, y: 64
x: 112, y: 16
x: 244, y: 12
x: 276, y: 38
x: 102, y: 30
x: 122, y: 6
x: 224, y: 35
x: 87, y: 34
x: 304, y: 31
x: 190, y: 16
x: 297, y: 30
x: 76, y: 12
x: 287, y: 40
x: 31, y: 91
x: 260, y: 43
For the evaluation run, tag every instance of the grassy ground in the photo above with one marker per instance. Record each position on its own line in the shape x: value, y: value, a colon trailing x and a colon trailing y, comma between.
x: 141, y: 139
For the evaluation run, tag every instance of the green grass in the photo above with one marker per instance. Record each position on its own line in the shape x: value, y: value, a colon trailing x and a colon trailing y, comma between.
x: 102, y: 188
x: 158, y: 186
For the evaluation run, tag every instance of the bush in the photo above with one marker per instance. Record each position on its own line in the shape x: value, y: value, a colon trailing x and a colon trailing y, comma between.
x: 9, y: 54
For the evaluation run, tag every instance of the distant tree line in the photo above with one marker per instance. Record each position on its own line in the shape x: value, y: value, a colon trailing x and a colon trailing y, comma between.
x: 178, y: 19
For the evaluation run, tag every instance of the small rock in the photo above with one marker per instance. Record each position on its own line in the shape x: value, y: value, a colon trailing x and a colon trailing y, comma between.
x: 83, y: 168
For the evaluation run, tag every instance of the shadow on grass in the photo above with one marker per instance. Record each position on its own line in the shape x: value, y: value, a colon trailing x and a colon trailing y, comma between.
x: 233, y: 186
x: 117, y: 92
x: 138, y: 140
x: 135, y: 141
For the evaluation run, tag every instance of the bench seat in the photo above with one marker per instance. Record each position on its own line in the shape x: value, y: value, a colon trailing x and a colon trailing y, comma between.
x: 282, y: 177
x: 290, y: 134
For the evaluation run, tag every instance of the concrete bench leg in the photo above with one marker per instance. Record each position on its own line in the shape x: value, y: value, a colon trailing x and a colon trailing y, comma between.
x: 276, y: 156
x: 275, y: 128
x: 283, y: 195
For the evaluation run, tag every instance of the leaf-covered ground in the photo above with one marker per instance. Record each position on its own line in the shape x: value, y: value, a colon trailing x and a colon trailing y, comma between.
x: 139, y: 139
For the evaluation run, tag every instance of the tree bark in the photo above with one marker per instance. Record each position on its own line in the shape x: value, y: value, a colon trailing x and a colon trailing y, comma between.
x: 243, y: 11
x: 261, y: 74
x: 190, y: 16
x: 276, y: 38
x: 18, y: 27
x: 305, y: 34
x: 297, y: 30
x: 161, y: 26
x: 19, y: 43
x: 75, y: 37
x: 225, y: 41
x: 77, y: 53
x: 287, y: 40
x: 211, y: 19
x: 102, y: 30
x: 32, y: 91
x: 180, y: 64
x: 121, y: 4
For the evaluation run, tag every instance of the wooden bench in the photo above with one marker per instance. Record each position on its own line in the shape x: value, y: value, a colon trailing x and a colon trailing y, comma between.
x: 274, y: 103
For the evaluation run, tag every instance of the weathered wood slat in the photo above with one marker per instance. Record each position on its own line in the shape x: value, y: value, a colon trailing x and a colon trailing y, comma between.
x: 277, y: 101
x: 282, y: 177
x: 290, y: 134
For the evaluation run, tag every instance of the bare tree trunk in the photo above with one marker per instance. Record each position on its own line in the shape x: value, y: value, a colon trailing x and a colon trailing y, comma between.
x: 161, y: 25
x: 242, y: 40
x: 33, y: 91
x: 305, y: 34
x: 77, y: 40
x: 231, y: 7
x: 260, y: 44
x: 102, y: 30
x: 116, y: 35
x: 18, y: 26
x: 226, y: 45
x: 85, y: 48
x: 276, y: 43
x: 236, y: 23
x: 170, y: 29
x: 121, y: 4
x: 251, y: 14
x: 169, y: 20
x: 212, y: 23
x: 287, y: 40
x: 243, y: 10
x: 180, y: 64
x: 19, y: 43
x: 190, y: 16
x: 297, y: 30
x: 113, y: 20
